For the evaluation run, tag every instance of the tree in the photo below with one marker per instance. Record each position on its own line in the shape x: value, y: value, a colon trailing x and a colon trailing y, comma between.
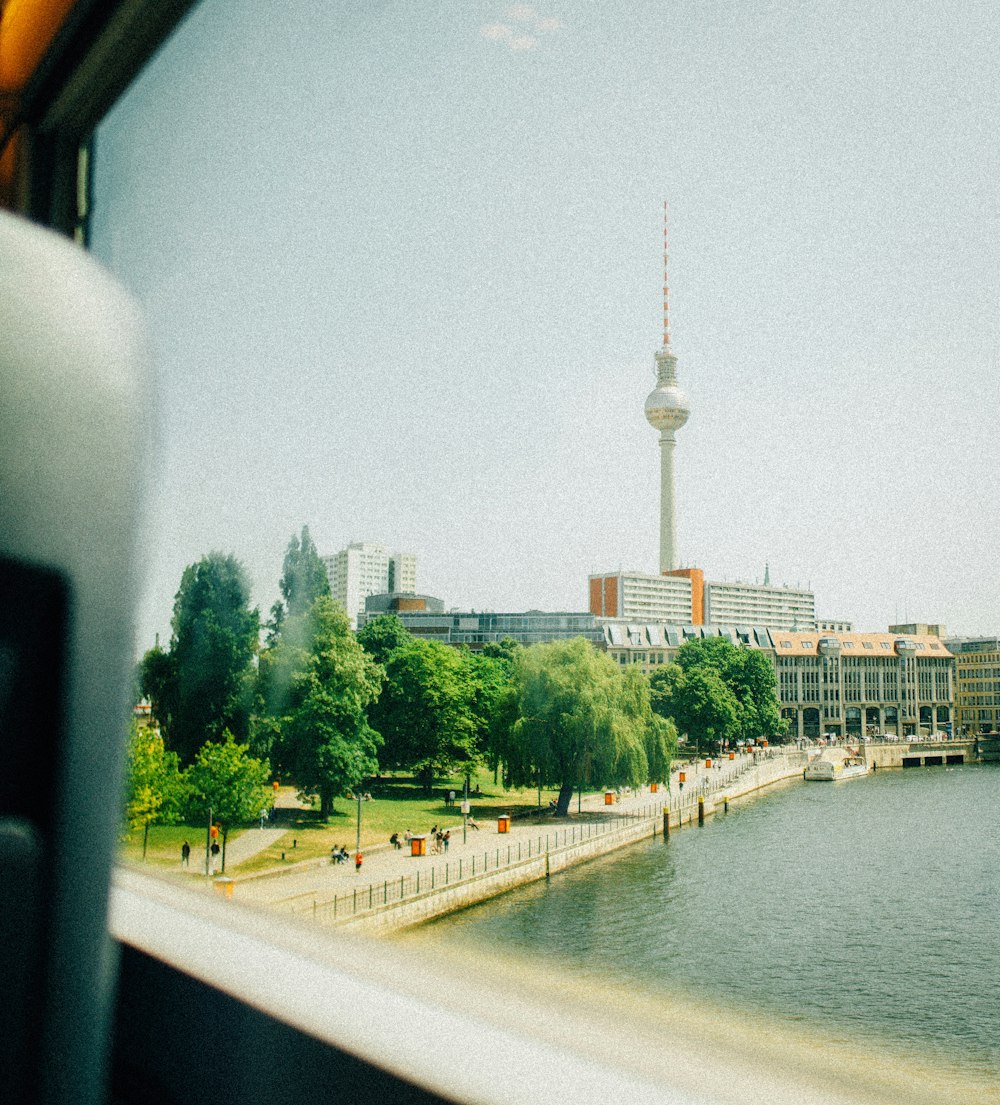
x: 577, y: 719
x: 489, y: 678
x: 154, y: 787
x: 699, y: 702
x: 382, y: 636
x: 203, y: 685
x: 425, y: 711
x: 326, y: 739
x: 303, y: 580
x: 228, y: 783
x: 750, y: 677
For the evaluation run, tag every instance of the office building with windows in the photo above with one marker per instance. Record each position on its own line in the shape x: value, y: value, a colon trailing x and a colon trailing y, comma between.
x: 477, y: 629
x: 759, y: 604
x: 684, y: 596
x: 864, y: 684
x: 364, y: 569
x: 848, y: 684
x: 977, y: 684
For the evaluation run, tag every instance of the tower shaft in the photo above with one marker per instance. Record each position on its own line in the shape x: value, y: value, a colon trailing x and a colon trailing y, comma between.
x: 668, y: 511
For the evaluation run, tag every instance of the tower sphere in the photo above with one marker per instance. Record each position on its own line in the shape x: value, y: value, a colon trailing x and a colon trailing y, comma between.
x: 666, y: 407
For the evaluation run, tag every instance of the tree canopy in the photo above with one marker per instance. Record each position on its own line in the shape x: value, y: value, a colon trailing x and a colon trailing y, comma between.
x: 326, y: 740
x: 303, y: 580
x: 228, y: 782
x: 717, y: 692
x: 203, y: 685
x: 577, y: 718
x: 425, y: 712
x: 154, y: 786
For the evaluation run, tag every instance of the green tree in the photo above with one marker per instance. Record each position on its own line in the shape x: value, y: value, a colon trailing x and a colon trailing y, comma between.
x: 382, y: 636
x: 204, y: 684
x: 154, y: 786
x: 748, y: 674
x: 425, y: 711
x: 229, y: 784
x: 303, y: 581
x: 699, y: 701
x: 578, y: 718
x: 326, y: 739
x: 488, y: 677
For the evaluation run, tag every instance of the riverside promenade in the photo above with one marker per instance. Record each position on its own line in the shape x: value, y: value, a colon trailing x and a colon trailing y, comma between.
x: 395, y: 889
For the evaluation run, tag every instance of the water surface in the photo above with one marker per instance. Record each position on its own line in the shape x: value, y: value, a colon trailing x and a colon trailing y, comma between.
x: 866, y: 909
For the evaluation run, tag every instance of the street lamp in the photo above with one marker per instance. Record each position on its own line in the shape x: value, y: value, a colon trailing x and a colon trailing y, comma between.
x: 357, y: 840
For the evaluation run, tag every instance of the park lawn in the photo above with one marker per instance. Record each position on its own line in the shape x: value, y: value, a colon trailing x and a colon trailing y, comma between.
x: 163, y: 847
x: 398, y: 803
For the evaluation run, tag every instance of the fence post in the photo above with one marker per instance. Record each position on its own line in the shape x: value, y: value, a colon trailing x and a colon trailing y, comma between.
x: 355, y: 899
x: 401, y: 878
x: 418, y: 882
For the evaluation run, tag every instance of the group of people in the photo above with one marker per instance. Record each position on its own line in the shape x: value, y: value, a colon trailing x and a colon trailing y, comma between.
x: 339, y: 854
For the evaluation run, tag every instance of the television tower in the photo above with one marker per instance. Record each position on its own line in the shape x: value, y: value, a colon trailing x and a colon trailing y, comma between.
x: 667, y: 411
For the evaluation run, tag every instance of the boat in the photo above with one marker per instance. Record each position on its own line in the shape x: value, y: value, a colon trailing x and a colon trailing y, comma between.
x: 833, y: 764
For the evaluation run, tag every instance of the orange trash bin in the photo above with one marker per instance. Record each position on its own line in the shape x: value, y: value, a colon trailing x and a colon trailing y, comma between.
x: 503, y: 823
x: 418, y: 845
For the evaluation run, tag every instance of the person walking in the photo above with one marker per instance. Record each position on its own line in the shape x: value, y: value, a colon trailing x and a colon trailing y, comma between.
x: 357, y: 862
x: 185, y: 854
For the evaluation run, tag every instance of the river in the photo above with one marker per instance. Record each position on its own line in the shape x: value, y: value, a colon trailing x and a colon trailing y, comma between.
x: 861, y: 911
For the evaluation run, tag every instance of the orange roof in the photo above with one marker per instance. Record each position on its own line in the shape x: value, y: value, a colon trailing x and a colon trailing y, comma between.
x: 854, y: 644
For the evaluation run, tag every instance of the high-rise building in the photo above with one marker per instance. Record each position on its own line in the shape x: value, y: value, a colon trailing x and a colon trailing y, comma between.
x: 759, y: 604
x: 364, y: 569
x: 641, y: 597
x: 667, y: 411
x: 402, y: 572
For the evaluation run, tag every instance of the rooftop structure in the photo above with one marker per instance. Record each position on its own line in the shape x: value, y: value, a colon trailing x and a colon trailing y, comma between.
x: 402, y: 602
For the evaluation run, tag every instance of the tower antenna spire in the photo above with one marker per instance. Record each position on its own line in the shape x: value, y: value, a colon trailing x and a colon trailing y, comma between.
x: 666, y: 282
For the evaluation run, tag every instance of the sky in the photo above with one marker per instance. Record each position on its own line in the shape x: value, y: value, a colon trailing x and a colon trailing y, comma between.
x: 402, y: 265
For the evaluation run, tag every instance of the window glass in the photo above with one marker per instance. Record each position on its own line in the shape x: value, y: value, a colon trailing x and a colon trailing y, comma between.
x: 403, y: 271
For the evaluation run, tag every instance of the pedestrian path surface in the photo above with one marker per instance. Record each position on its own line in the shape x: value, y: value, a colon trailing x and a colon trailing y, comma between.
x: 320, y: 879
x: 387, y: 863
x: 250, y: 842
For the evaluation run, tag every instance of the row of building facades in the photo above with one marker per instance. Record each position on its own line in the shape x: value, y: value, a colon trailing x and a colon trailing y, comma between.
x: 909, y: 681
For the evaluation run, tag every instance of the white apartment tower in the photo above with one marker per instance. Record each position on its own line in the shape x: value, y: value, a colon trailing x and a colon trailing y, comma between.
x: 364, y: 569
x: 667, y: 411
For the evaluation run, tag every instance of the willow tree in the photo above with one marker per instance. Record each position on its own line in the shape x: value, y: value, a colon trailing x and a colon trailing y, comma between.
x: 577, y: 719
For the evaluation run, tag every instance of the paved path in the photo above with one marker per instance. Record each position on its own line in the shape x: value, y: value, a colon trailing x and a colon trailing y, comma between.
x: 250, y: 842
x: 323, y: 880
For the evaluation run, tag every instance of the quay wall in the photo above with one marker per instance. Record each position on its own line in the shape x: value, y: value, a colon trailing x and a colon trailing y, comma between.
x: 787, y: 765
x: 434, y: 903
x: 893, y: 754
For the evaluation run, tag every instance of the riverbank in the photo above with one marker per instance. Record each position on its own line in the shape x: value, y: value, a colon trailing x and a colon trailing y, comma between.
x: 395, y: 889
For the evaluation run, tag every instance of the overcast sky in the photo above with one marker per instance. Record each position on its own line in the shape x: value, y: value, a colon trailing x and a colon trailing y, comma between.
x: 402, y: 264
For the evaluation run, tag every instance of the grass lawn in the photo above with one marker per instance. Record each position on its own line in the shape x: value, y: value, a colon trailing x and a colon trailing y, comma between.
x: 398, y: 803
x: 163, y: 846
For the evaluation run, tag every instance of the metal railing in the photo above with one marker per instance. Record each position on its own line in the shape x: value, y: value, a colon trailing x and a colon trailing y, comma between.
x: 468, y: 867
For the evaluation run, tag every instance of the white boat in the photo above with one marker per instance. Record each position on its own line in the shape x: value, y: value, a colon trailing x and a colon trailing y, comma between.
x: 834, y: 763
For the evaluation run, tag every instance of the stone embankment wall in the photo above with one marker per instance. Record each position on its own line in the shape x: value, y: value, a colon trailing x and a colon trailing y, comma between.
x: 683, y: 810
x: 434, y: 903
x: 887, y: 754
